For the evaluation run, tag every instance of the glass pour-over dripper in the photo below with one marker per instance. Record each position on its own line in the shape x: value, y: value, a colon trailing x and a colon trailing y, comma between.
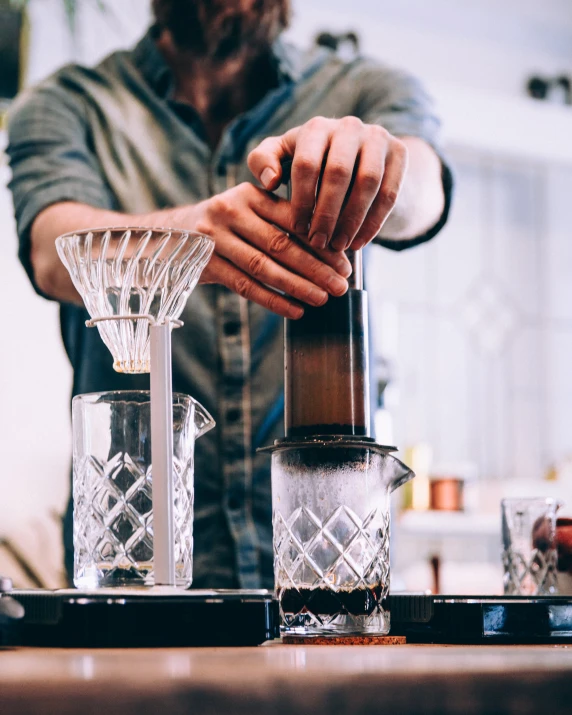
x: 122, y: 272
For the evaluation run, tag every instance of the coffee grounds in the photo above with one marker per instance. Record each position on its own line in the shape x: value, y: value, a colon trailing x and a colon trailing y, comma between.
x: 326, y: 602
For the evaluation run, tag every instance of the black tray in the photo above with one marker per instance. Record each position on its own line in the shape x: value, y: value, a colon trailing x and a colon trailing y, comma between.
x: 135, y: 618
x: 481, y: 619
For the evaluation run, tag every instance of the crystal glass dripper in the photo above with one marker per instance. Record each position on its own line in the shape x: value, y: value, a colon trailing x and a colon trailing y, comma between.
x: 120, y: 272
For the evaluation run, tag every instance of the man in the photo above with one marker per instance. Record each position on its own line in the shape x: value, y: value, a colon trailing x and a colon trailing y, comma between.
x: 188, y: 131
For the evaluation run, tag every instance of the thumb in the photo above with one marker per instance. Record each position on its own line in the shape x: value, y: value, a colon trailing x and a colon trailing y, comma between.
x: 265, y: 160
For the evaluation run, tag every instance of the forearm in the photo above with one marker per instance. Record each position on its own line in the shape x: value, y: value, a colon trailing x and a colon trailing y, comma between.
x: 421, y: 200
x: 50, y: 274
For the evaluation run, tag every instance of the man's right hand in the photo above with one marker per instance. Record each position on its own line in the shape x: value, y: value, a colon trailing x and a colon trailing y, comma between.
x: 255, y: 257
x: 252, y: 256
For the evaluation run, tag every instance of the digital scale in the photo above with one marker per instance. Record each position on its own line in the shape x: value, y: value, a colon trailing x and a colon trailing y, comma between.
x: 481, y: 619
x: 132, y: 618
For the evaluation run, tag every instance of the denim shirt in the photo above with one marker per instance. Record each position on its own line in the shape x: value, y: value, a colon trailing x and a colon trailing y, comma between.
x: 113, y: 137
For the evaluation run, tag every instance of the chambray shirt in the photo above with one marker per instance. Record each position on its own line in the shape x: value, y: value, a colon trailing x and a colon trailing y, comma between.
x: 113, y: 137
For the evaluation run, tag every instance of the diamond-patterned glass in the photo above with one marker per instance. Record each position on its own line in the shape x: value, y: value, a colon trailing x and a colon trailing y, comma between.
x: 331, y: 537
x: 529, y: 546
x: 113, y: 507
x: 337, y: 578
x: 535, y: 576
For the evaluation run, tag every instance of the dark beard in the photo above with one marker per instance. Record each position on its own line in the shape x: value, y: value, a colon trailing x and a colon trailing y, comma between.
x: 219, y: 29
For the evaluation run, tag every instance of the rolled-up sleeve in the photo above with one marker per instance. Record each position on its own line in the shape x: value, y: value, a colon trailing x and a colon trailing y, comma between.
x: 50, y: 158
x: 397, y: 101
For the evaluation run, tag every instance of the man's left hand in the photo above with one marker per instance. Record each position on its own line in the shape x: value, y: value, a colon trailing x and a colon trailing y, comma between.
x: 359, y: 168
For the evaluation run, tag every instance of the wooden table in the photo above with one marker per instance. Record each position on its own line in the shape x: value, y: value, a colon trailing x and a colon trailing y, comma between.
x: 278, y: 679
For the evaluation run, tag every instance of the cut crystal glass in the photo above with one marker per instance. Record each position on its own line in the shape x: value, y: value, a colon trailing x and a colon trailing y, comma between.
x: 331, y: 537
x: 529, y: 546
x: 112, y: 487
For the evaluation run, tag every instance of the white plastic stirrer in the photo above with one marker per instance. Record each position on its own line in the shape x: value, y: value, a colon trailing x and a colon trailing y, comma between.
x: 162, y: 454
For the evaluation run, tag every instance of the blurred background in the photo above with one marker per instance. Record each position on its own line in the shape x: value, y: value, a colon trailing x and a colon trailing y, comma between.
x: 473, y: 350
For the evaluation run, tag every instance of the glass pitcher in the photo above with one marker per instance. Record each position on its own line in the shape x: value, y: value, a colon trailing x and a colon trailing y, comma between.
x: 112, y: 482
x: 331, y: 535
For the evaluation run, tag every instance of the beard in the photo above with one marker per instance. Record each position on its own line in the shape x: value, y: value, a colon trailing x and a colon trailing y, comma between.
x: 220, y: 29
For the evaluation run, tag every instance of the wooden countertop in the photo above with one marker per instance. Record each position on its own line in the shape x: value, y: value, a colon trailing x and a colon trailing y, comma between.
x: 276, y: 679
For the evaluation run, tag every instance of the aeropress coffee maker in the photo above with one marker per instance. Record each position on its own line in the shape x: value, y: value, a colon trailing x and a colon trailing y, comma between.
x: 331, y: 482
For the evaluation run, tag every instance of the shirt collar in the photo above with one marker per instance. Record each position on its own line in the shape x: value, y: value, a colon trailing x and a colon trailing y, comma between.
x: 151, y: 62
x: 289, y: 60
x: 156, y: 71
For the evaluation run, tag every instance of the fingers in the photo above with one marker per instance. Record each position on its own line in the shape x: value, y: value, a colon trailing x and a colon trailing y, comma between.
x: 264, y: 160
x: 345, y: 145
x: 260, y: 261
x: 366, y: 186
x: 337, y: 260
x: 222, y: 271
x: 310, y: 152
x: 273, y: 257
x: 359, y: 169
x: 261, y: 266
x: 394, y: 175
x: 273, y: 210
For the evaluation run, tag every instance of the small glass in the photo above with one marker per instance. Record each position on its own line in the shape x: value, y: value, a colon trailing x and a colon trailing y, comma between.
x: 112, y: 487
x: 331, y: 536
x: 529, y: 546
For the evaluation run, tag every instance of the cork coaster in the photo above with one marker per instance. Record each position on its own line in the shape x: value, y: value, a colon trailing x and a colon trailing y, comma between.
x: 344, y: 640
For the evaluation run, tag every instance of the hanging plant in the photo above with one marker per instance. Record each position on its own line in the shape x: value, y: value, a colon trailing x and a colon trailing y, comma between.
x: 11, y: 60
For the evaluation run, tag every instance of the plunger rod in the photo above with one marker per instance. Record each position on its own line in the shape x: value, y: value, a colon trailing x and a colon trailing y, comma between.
x: 162, y: 455
x: 356, y: 278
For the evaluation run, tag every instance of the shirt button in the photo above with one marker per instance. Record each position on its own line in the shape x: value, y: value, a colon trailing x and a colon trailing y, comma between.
x: 231, y: 329
x: 233, y: 415
x: 234, y: 502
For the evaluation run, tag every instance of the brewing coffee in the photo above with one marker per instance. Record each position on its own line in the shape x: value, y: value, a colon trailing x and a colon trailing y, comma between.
x: 326, y: 602
x: 326, y: 369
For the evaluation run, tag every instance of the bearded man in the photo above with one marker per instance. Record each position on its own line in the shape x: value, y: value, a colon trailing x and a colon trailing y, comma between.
x: 188, y: 130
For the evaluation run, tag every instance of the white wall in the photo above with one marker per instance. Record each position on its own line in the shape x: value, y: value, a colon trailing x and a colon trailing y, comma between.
x: 97, y: 35
x: 486, y: 44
